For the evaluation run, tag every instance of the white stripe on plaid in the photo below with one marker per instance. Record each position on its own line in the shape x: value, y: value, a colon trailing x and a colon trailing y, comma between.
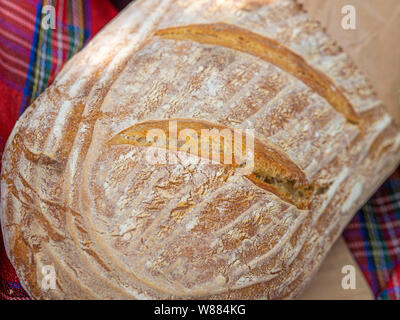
x: 59, y: 35
x: 18, y: 40
x: 393, y: 198
x: 14, y: 59
x: 14, y: 6
x: 43, y: 54
x: 387, y: 225
x: 17, y: 19
x: 65, y: 37
x: 378, y: 254
x: 12, y: 69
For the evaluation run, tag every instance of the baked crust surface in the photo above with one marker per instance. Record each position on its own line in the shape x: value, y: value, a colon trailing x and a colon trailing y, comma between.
x: 77, y: 195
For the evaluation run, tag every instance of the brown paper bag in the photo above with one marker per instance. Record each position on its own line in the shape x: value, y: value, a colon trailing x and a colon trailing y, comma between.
x: 374, y: 45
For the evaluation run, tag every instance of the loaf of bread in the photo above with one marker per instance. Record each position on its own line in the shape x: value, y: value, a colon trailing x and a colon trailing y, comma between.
x: 79, y: 193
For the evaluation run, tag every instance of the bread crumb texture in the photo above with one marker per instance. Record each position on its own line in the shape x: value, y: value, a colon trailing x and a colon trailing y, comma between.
x: 77, y: 192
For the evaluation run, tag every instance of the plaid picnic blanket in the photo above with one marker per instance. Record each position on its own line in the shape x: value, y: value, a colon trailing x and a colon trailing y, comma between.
x: 30, y: 57
x: 373, y: 237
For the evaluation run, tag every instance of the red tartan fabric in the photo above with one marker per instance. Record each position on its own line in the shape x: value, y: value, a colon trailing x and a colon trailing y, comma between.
x: 373, y: 237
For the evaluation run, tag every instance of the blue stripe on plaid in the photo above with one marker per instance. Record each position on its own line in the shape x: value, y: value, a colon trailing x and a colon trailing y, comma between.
x: 42, y: 49
x: 367, y: 248
x: 88, y: 17
x: 32, y: 59
x: 377, y: 227
x: 12, y: 291
x: 388, y: 293
x: 15, y: 285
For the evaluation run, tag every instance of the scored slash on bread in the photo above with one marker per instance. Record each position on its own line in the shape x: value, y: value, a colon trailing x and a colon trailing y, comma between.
x: 271, y: 168
x: 270, y: 50
x: 77, y: 192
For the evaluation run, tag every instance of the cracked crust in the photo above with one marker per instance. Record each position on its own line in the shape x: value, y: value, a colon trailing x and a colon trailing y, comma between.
x: 116, y: 227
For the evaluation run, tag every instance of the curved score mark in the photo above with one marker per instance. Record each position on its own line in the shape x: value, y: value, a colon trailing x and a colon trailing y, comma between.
x: 269, y: 50
x: 273, y: 170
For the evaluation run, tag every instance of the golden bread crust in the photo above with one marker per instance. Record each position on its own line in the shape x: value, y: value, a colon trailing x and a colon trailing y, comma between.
x: 78, y: 195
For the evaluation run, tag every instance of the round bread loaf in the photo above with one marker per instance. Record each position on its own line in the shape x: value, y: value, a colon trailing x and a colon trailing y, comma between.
x: 82, y: 201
